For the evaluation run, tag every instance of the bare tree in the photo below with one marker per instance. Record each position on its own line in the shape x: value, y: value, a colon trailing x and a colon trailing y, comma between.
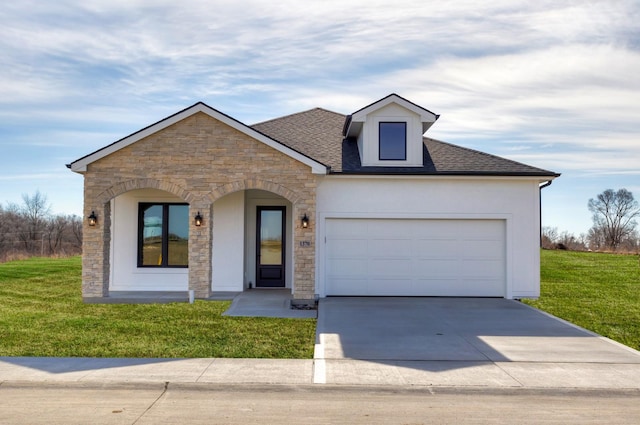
x: 613, y: 215
x: 10, y: 222
x: 549, y: 237
x: 75, y: 223
x: 35, y: 211
x: 569, y: 241
x: 31, y: 229
x: 596, y: 239
x: 5, y: 227
x: 55, y: 232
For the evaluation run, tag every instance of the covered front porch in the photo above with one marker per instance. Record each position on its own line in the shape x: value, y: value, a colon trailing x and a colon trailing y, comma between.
x: 250, y: 235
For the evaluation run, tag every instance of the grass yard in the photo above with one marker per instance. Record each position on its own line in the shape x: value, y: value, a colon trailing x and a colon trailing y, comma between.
x: 599, y: 292
x: 42, y: 314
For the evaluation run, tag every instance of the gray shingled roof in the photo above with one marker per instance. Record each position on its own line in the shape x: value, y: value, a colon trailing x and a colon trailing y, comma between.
x: 317, y: 133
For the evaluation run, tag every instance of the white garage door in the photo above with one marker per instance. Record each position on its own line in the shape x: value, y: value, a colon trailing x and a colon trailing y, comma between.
x: 407, y: 257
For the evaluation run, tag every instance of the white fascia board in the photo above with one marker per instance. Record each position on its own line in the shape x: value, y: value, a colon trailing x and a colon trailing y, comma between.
x: 474, y: 177
x: 425, y: 115
x: 80, y: 166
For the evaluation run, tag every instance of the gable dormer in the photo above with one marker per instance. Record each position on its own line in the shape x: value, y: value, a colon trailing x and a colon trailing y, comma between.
x: 389, y: 132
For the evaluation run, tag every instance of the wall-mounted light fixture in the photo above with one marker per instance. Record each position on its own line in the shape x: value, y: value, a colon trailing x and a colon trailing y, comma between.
x: 93, y: 219
x: 198, y: 219
x: 305, y: 221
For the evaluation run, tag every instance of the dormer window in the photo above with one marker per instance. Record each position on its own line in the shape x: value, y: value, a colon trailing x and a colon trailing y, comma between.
x: 389, y: 132
x: 392, y: 141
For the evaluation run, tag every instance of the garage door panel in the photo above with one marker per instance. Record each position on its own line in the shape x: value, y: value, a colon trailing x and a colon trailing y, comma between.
x: 390, y: 287
x: 459, y: 287
x: 340, y: 248
x: 437, y: 248
x: 342, y: 286
x: 349, y: 267
x: 346, y: 228
x: 436, y: 267
x: 388, y: 228
x: 439, y: 286
x: 430, y: 232
x: 492, y: 249
x: 388, y: 247
x: 471, y: 228
x: 481, y: 268
x: 389, y: 267
x: 405, y: 257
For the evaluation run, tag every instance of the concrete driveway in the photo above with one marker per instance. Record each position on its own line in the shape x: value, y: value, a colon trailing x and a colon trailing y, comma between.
x: 475, y: 341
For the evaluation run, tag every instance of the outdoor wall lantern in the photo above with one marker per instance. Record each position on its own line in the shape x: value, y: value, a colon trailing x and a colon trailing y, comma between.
x: 198, y: 219
x: 93, y: 219
x: 305, y: 221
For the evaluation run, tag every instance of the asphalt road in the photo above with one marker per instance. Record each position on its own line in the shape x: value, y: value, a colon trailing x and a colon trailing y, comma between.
x: 75, y: 403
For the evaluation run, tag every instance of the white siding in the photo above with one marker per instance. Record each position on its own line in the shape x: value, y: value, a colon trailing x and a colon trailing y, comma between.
x: 513, y: 201
x: 228, y: 243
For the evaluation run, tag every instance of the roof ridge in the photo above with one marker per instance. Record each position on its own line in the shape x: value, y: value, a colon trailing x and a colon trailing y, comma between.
x: 297, y: 113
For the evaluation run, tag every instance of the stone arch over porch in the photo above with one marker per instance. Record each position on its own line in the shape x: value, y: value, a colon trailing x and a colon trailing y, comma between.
x: 97, y: 242
x: 303, y: 202
x: 128, y: 185
x: 225, y: 189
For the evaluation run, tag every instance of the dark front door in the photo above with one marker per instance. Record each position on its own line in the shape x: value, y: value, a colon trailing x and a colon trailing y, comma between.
x: 270, y: 247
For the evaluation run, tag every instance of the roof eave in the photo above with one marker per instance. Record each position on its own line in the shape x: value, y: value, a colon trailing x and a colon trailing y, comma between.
x: 544, y: 177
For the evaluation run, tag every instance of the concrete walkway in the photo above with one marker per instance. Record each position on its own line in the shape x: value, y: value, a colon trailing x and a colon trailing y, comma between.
x: 266, y: 303
x: 486, y: 343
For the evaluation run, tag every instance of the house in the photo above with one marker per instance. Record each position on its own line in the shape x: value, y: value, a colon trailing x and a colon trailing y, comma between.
x: 318, y: 202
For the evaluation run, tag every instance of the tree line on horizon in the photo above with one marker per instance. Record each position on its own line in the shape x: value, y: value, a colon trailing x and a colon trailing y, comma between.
x: 614, y: 227
x: 30, y: 229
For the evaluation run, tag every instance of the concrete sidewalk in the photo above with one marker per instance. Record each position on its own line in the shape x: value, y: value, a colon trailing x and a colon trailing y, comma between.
x: 320, y: 371
x: 118, y: 370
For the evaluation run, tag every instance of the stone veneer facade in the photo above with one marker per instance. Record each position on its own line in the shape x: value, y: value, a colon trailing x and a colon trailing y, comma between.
x: 200, y: 160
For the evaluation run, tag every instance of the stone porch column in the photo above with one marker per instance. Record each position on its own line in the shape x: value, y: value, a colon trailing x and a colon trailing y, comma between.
x: 96, y: 246
x: 200, y: 240
x: 304, y: 252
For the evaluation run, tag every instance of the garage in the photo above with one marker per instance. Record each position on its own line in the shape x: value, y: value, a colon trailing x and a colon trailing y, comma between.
x: 415, y: 257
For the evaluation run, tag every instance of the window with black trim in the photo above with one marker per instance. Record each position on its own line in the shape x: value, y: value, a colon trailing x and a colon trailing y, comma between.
x: 163, y: 235
x: 393, y: 141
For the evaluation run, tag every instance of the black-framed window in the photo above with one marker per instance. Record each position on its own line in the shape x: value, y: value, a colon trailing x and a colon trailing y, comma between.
x: 163, y: 235
x: 392, y: 141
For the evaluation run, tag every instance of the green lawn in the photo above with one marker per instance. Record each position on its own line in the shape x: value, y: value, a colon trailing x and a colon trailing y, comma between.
x: 600, y: 292
x: 42, y: 314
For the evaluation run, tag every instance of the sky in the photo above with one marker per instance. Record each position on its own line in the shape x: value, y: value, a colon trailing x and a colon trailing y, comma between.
x: 554, y: 84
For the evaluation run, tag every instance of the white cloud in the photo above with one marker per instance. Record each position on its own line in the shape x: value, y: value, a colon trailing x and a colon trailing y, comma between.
x: 550, y: 82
